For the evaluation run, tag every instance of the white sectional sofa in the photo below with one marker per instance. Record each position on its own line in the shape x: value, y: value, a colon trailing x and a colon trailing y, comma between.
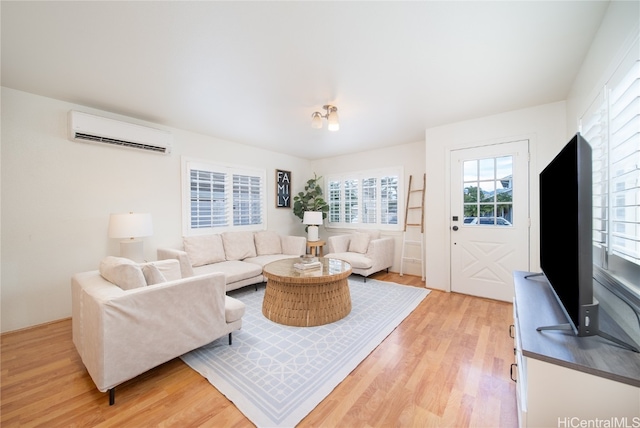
x: 239, y: 255
x: 128, y: 318
x: 367, y: 252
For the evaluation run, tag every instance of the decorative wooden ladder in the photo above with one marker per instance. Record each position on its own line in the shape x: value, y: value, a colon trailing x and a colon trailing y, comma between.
x: 410, y: 221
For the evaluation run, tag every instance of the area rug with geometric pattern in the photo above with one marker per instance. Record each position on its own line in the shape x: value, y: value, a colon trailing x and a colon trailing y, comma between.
x: 276, y: 374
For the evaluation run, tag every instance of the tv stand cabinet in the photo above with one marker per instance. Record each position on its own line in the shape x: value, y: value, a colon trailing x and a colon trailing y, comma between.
x: 564, y: 380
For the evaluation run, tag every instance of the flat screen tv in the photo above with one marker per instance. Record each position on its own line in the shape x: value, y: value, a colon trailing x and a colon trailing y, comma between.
x: 566, y: 234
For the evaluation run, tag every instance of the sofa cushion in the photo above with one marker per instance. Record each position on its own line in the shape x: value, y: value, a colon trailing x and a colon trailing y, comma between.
x: 267, y: 243
x: 152, y: 274
x: 238, y: 245
x: 233, y: 270
x: 265, y: 260
x: 356, y: 260
x: 122, y: 272
x: 204, y: 249
x: 233, y: 309
x: 359, y: 242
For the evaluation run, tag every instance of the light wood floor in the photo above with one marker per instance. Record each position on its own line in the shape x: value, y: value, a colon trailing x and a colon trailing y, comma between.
x: 447, y: 364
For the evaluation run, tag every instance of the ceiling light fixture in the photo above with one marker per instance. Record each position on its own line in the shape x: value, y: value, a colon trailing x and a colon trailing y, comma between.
x: 331, y: 116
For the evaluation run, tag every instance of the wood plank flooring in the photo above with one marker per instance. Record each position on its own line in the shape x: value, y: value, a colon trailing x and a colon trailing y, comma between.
x: 447, y: 365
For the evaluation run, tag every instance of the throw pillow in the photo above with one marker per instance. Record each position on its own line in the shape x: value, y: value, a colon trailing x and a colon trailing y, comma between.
x: 170, y: 269
x: 122, y: 272
x: 359, y: 243
x: 238, y: 245
x: 267, y: 243
x: 152, y: 274
x: 204, y: 249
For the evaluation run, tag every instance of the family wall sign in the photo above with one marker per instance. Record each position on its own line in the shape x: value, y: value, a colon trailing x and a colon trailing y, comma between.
x: 283, y: 189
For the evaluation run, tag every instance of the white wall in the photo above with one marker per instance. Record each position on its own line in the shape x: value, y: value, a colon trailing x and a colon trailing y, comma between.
x: 544, y: 127
x: 410, y: 156
x: 57, y: 196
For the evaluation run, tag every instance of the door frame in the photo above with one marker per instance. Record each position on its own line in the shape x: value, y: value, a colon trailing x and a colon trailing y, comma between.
x: 513, y: 241
x: 531, y: 190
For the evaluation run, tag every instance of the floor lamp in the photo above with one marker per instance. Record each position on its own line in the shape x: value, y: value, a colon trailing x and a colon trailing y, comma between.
x: 130, y: 227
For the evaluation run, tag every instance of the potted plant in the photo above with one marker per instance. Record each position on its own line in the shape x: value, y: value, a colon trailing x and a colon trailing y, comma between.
x: 310, y: 200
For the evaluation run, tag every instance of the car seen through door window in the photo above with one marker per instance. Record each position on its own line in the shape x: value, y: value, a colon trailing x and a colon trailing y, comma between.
x: 491, y: 221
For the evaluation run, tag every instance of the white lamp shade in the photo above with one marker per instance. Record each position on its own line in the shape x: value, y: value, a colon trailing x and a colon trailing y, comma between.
x: 312, y: 218
x: 316, y: 120
x: 333, y: 121
x: 130, y: 225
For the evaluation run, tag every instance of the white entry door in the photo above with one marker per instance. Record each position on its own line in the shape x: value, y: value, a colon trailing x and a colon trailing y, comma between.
x: 489, y: 224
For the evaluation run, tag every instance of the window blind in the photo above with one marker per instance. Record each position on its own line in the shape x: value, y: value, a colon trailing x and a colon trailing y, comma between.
x: 624, y: 163
x: 208, y: 199
x: 247, y: 200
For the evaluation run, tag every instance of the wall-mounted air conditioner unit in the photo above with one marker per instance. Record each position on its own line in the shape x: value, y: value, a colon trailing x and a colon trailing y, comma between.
x: 88, y: 128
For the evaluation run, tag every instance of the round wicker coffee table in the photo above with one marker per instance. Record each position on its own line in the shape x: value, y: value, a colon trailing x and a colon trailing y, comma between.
x: 306, y: 298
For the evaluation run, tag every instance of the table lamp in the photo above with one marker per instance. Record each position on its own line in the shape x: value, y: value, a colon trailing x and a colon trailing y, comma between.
x: 130, y: 226
x: 312, y: 219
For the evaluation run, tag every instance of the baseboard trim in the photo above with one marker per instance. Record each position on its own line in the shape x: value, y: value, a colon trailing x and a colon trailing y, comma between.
x: 34, y: 327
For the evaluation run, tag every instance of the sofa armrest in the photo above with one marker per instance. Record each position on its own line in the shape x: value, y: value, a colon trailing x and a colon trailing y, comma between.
x: 185, y: 263
x: 294, y: 245
x: 338, y: 243
x: 381, y: 251
x: 125, y: 333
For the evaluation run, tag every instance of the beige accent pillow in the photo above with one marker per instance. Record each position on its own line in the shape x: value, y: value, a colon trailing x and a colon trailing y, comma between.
x: 170, y: 269
x: 204, y: 249
x: 122, y: 272
x: 152, y: 274
x: 359, y: 243
x: 267, y: 242
x: 238, y: 245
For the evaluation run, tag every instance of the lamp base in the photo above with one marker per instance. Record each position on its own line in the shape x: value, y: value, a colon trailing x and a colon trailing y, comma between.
x: 312, y: 233
x: 132, y: 249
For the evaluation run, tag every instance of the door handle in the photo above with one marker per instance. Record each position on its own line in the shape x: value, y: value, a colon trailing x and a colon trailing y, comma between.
x: 454, y: 228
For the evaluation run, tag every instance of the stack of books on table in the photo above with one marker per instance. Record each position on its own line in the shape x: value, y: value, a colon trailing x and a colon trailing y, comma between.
x: 308, y: 267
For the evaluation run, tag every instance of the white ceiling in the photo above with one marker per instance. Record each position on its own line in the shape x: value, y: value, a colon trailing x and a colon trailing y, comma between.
x: 253, y: 72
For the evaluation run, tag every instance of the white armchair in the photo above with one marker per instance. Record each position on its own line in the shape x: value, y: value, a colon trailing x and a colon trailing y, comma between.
x: 122, y: 331
x: 367, y: 252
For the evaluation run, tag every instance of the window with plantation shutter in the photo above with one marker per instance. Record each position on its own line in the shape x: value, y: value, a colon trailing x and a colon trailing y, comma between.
x: 612, y: 126
x: 247, y: 200
x: 624, y: 164
x: 369, y: 200
x: 208, y: 202
x: 389, y: 189
x: 222, y: 197
x: 365, y: 199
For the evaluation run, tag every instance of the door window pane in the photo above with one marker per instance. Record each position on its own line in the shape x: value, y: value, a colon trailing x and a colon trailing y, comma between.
x: 470, y: 193
x: 488, y: 191
x: 487, y: 169
x: 471, y: 170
